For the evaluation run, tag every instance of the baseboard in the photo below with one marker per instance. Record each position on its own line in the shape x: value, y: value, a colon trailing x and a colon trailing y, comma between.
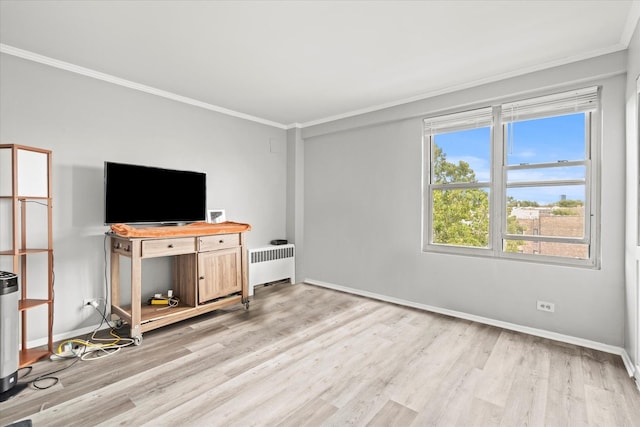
x: 66, y: 335
x: 628, y: 363
x: 488, y: 321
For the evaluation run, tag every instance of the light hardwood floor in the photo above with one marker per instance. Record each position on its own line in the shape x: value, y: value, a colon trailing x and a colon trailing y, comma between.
x: 304, y: 355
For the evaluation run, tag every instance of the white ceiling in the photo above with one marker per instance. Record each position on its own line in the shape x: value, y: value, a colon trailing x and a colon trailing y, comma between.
x: 287, y: 63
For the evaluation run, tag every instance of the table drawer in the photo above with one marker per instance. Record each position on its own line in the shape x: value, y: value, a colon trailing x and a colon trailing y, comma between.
x: 166, y: 247
x: 219, y: 241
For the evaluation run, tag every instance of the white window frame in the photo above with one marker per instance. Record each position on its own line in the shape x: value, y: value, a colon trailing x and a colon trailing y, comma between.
x: 582, y: 100
x: 466, y: 120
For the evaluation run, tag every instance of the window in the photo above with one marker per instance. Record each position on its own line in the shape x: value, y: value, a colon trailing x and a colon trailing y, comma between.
x: 514, y: 180
x: 459, y: 196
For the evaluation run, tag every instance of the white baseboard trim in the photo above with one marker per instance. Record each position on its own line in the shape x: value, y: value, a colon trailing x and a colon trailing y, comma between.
x: 66, y: 335
x: 628, y: 363
x: 485, y: 320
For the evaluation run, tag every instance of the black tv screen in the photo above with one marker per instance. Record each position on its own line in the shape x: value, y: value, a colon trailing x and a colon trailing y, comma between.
x: 135, y: 194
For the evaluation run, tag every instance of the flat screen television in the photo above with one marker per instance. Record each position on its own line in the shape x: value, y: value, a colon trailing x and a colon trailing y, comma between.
x: 136, y: 194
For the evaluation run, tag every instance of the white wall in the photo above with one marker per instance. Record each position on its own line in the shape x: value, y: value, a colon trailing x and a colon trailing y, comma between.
x: 632, y: 253
x: 85, y: 122
x: 362, y: 222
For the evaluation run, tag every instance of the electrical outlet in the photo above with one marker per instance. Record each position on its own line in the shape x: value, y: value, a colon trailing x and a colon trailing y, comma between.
x: 88, y: 302
x: 546, y: 306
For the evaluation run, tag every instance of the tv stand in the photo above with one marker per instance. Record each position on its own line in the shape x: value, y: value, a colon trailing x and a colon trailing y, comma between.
x: 210, y: 272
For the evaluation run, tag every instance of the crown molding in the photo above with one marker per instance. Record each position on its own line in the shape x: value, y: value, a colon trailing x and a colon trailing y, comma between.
x: 634, y: 17
x: 52, y: 62
x: 632, y: 23
x: 479, y: 82
x: 294, y: 126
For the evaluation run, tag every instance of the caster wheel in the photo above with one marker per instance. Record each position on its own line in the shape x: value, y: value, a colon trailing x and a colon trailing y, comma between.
x: 246, y: 305
x: 119, y: 323
x: 137, y: 340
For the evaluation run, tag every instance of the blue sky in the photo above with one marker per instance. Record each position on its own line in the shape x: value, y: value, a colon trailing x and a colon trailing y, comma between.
x: 547, y: 140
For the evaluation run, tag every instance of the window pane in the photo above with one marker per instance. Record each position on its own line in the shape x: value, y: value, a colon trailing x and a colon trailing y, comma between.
x: 546, y: 211
x: 462, y: 156
x: 461, y: 217
x: 552, y: 195
x: 567, y: 250
x: 546, y: 140
x: 546, y: 174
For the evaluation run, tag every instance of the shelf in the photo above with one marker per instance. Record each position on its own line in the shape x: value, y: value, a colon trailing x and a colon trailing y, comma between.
x: 26, y: 197
x: 26, y: 186
x: 152, y: 317
x: 24, y: 251
x: 32, y: 355
x: 26, y: 304
x: 149, y: 313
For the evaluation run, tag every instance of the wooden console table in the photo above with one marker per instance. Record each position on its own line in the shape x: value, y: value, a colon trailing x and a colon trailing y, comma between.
x: 210, y: 272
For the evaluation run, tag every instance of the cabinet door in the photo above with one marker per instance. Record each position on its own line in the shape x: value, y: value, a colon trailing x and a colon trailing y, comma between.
x: 219, y: 274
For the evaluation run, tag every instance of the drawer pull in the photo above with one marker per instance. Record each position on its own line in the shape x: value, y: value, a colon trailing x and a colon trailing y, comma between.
x: 221, y: 241
x: 170, y: 246
x: 201, y: 277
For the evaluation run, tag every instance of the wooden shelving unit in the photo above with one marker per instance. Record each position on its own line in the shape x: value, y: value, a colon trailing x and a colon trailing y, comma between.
x: 210, y: 272
x: 25, y: 177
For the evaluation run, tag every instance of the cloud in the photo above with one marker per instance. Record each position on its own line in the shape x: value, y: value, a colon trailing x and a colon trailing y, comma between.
x: 527, y: 154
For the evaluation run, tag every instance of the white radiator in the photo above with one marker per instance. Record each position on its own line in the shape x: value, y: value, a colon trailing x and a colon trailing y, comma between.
x: 271, y: 264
